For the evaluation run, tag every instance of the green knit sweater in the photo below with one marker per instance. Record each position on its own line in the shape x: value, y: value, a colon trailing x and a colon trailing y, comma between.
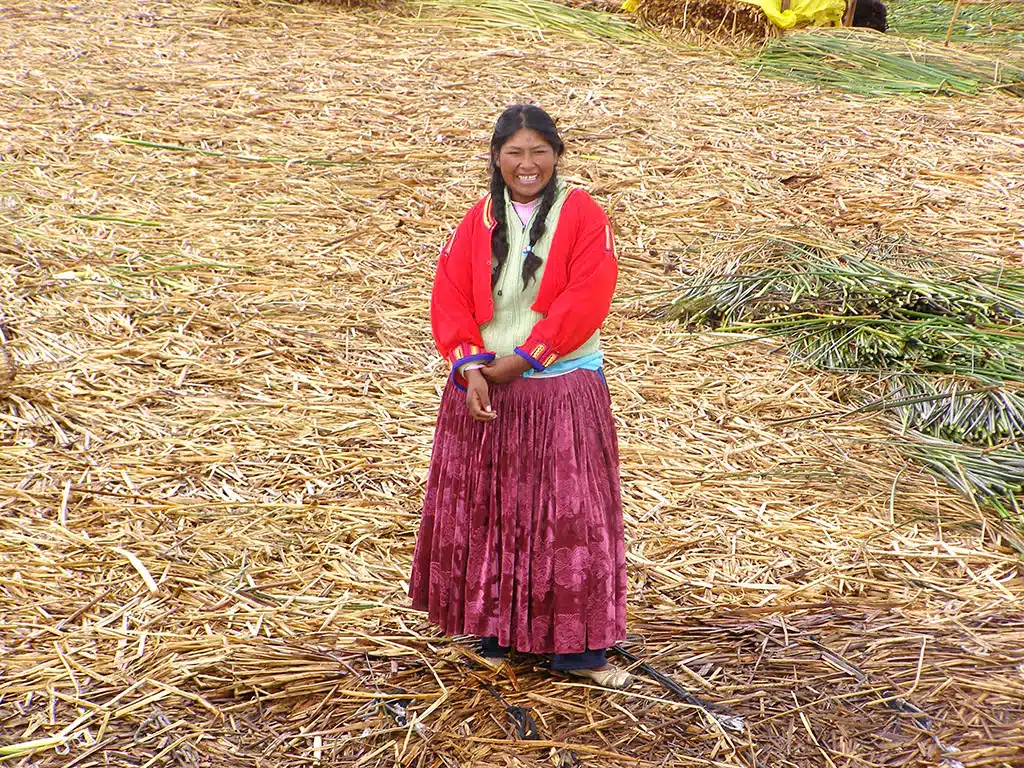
x: 513, y: 319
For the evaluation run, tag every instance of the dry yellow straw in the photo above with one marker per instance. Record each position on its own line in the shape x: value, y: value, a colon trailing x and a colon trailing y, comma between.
x: 952, y: 21
x: 230, y: 360
x: 138, y: 565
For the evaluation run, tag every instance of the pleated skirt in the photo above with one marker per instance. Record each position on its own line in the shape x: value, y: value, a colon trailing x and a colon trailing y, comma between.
x: 521, y: 536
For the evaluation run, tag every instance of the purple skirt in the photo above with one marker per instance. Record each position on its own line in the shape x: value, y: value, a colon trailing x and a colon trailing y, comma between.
x: 521, y: 536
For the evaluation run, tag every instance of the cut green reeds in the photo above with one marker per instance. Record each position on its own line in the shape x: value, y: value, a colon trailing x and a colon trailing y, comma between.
x: 780, y: 276
x: 865, y: 343
x: 872, y: 64
x: 991, y: 23
x: 844, y: 313
x: 533, y: 16
x: 956, y: 408
x: 992, y: 477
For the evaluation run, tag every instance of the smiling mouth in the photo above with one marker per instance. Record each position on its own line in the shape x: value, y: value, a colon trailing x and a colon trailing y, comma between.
x: 527, y: 179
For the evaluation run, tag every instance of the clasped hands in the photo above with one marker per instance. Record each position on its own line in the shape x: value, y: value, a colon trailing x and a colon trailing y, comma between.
x: 501, y: 370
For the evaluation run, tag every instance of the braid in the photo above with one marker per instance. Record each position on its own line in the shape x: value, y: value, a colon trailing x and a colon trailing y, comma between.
x: 499, y: 237
x: 547, y: 199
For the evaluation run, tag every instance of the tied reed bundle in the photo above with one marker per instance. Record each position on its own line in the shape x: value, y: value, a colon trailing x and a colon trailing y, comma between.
x: 872, y: 64
x: 992, y: 23
x: 944, y: 347
x: 714, y: 18
x: 534, y: 16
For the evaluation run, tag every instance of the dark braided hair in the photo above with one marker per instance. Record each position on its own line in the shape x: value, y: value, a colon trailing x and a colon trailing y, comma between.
x: 512, y: 120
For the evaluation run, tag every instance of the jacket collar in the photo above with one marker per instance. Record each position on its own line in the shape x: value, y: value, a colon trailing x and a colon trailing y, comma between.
x: 489, y: 221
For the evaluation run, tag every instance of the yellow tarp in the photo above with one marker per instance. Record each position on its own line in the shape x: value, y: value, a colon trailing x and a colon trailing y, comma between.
x: 817, y: 13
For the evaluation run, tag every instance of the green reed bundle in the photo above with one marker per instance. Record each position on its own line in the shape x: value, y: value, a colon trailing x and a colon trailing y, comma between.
x: 879, y: 65
x: 946, y: 345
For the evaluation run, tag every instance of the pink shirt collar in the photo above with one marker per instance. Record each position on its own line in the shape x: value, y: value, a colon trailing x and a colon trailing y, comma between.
x: 525, y: 210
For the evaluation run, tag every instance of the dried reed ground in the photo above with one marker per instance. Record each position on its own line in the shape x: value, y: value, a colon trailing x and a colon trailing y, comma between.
x: 239, y: 393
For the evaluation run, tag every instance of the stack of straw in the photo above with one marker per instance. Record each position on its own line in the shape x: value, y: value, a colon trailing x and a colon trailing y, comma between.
x: 538, y: 17
x: 717, y: 18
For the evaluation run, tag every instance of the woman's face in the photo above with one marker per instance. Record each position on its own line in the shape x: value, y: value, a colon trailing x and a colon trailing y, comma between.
x: 526, y: 162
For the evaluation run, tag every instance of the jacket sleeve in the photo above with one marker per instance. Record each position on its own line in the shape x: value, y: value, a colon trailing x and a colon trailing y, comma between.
x: 452, y: 320
x: 580, y: 309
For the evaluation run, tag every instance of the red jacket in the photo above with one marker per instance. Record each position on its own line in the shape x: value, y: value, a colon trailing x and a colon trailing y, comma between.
x: 575, y: 291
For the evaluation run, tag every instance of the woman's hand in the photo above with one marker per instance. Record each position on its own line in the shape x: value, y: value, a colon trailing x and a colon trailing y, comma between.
x: 505, y: 369
x: 477, y: 397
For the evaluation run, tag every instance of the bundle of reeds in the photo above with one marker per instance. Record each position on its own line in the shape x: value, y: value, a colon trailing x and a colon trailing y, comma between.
x: 872, y: 64
x: 992, y: 22
x: 846, y: 313
x: 712, y: 17
x: 993, y: 477
x: 945, y: 345
x: 534, y: 16
x: 961, y: 409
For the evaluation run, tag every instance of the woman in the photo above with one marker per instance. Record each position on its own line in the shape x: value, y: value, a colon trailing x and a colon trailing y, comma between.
x: 521, y: 541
